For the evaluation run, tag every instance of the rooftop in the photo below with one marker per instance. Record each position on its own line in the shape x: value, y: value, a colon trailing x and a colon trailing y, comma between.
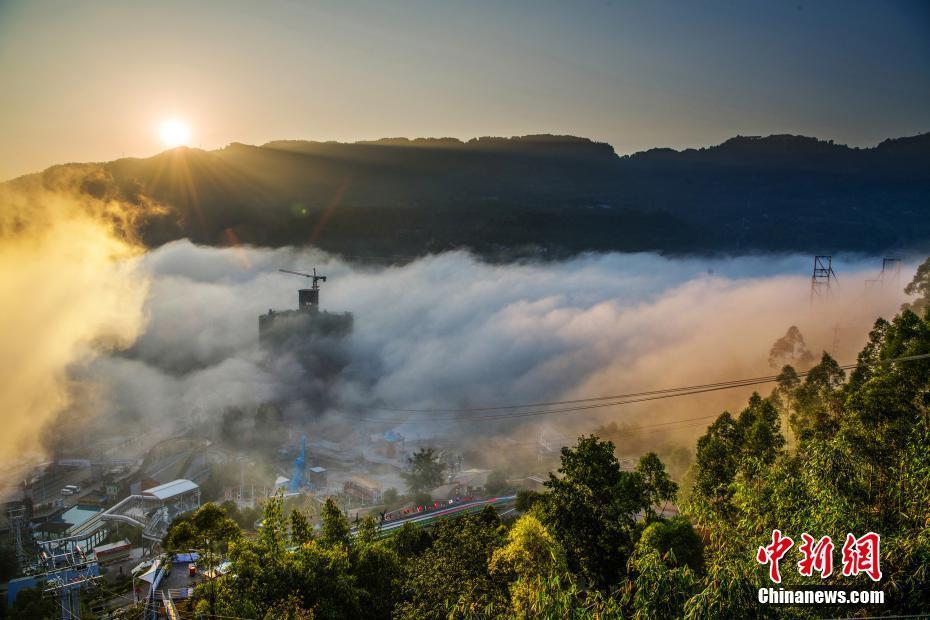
x: 471, y: 477
x: 110, y: 546
x: 171, y: 489
x: 362, y: 482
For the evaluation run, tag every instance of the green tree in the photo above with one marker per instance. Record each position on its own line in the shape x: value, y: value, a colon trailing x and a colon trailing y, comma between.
x: 884, y: 401
x: 674, y: 535
x: 32, y: 604
x: 591, y: 510
x: 783, y: 396
x: 660, y: 587
x: 528, y: 561
x: 760, y: 427
x: 301, y: 530
x: 861, y: 465
x: 453, y: 573
x: 245, y: 517
x: 425, y: 471
x: 322, y: 577
x: 376, y: 567
x: 526, y: 499
x: 920, y: 286
x: 208, y: 530
x: 335, y: 527
x: 267, y: 573
x: 409, y: 540
x: 367, y: 531
x: 730, y: 590
x: 871, y: 355
x: 716, y: 462
x: 290, y: 608
x: 657, y: 486
x: 273, y: 532
x: 732, y: 447
x: 818, y: 401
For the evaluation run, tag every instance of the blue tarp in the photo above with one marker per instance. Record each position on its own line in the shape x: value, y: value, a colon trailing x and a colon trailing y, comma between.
x: 185, y: 558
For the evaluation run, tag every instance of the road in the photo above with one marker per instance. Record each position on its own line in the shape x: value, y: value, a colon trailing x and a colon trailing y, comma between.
x: 426, y: 519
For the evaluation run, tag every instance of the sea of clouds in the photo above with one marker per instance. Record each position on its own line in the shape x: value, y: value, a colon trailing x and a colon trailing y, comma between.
x: 451, y: 331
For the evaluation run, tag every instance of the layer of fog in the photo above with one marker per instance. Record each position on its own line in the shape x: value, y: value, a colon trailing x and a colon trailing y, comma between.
x: 102, y: 341
x: 69, y: 290
x: 450, y: 331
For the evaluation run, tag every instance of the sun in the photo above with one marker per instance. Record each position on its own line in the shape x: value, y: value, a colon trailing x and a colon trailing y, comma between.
x: 174, y: 133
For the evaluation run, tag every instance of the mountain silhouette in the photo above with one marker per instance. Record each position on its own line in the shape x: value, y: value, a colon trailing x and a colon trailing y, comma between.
x: 541, y: 195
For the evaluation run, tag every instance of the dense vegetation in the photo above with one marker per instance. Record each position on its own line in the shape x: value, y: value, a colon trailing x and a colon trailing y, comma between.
x: 546, y: 196
x: 596, y: 543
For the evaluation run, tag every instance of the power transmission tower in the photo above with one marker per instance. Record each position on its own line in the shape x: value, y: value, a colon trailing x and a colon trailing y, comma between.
x: 66, y: 574
x: 822, y: 277
x: 891, y: 272
x: 17, y: 518
x: 890, y: 275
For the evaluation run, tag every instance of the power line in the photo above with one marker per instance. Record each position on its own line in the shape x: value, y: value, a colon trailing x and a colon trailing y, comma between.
x: 735, y: 383
x: 647, y: 429
x: 542, y: 412
x: 511, y: 411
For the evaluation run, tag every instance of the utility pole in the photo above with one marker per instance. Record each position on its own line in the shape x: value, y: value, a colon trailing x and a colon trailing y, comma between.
x: 241, y: 495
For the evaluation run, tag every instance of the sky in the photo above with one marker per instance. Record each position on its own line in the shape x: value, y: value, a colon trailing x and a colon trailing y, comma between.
x: 96, y: 81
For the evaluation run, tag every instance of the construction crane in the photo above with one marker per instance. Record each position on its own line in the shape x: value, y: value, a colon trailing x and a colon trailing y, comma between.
x: 313, y: 275
x: 308, y: 298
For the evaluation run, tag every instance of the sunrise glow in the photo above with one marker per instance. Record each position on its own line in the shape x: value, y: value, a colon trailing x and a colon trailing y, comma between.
x: 174, y: 133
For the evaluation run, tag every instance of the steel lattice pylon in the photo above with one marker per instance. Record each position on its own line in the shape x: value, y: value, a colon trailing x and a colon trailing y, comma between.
x: 822, y: 277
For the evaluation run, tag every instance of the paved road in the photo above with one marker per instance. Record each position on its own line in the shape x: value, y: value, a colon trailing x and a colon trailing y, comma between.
x: 426, y: 519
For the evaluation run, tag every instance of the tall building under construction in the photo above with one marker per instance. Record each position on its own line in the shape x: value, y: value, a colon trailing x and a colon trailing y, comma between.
x: 283, y: 328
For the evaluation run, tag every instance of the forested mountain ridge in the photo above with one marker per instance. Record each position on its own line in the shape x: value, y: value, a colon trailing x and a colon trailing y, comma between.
x: 541, y: 195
